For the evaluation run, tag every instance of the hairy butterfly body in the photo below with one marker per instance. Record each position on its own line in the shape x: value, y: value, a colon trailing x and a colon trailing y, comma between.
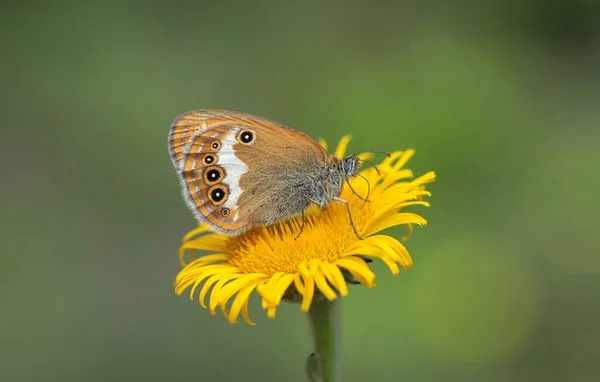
x: 239, y: 170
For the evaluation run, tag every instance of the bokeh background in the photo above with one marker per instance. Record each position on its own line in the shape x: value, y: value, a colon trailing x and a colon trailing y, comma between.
x: 500, y: 98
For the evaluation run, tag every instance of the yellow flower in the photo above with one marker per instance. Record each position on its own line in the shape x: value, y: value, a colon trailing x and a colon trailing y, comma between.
x: 324, y: 258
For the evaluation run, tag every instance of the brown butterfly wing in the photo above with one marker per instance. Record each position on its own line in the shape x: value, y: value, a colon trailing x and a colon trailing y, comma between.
x: 281, y: 168
x: 232, y: 182
x: 185, y: 128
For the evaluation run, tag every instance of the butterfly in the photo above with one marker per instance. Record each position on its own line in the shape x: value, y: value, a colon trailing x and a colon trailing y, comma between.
x: 239, y: 170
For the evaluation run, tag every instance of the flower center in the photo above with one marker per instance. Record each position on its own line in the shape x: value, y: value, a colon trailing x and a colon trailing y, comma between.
x: 325, y: 236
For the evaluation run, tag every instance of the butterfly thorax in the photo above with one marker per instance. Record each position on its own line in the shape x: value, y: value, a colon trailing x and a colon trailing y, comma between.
x: 328, y: 183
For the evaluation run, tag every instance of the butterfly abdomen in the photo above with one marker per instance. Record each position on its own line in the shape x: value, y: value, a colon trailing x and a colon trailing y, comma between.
x: 277, y: 192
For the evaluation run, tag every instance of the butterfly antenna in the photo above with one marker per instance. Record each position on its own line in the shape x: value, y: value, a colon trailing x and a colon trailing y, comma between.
x: 373, y: 152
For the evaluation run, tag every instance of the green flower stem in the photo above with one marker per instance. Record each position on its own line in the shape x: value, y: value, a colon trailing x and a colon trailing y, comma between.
x: 325, y: 318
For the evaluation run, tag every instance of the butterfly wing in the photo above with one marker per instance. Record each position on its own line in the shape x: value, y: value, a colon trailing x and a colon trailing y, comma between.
x: 183, y: 131
x: 238, y: 170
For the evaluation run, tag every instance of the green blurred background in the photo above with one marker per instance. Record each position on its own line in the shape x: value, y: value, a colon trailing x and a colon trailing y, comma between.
x: 500, y: 98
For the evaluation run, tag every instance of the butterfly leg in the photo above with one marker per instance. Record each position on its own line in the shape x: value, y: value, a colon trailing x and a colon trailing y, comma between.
x: 301, y: 227
x: 303, y: 219
x: 357, y: 195
x: 349, y: 214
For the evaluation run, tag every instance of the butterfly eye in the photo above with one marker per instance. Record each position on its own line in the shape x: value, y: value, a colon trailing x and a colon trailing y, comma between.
x: 216, y: 145
x: 225, y: 211
x: 246, y: 136
x: 218, y: 194
x: 213, y: 174
x: 210, y: 159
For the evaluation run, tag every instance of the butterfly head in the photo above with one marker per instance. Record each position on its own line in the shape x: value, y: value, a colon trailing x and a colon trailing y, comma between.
x: 349, y: 166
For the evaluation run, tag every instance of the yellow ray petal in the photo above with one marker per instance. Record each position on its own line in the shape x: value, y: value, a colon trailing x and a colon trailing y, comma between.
x: 268, y: 287
x: 321, y: 281
x: 409, y: 233
x: 335, y: 277
x: 234, y: 286
x: 224, y: 311
x: 309, y: 287
x: 205, y: 243
x: 341, y: 148
x: 190, y: 272
x: 405, y: 158
x: 365, y: 156
x: 359, y: 269
x: 395, y: 177
x: 365, y: 247
x: 215, y: 257
x: 413, y: 203
x: 387, y: 162
x: 245, y: 313
x: 211, y: 272
x: 214, y: 295
x: 377, y: 246
x: 391, y: 264
x: 185, y: 278
x: 387, y: 206
x: 424, y: 179
x: 264, y: 302
x: 194, y: 232
x: 282, y: 285
x: 209, y: 283
x: 240, y: 299
x: 396, y: 247
x: 299, y: 283
x: 323, y: 143
x: 394, y: 220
